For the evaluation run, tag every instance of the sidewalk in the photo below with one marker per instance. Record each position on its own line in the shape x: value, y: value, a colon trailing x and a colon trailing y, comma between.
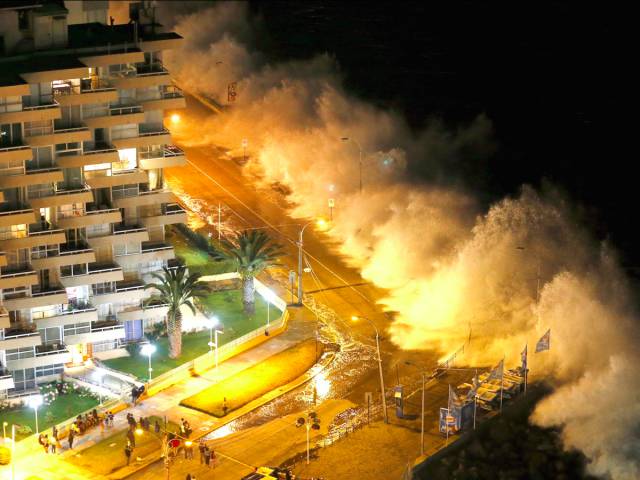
x: 165, y: 403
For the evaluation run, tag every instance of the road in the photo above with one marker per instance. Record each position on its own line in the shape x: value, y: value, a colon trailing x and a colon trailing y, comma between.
x: 211, y: 179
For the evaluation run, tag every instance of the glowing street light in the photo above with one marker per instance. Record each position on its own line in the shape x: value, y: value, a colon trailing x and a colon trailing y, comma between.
x: 34, y: 402
x: 321, y: 386
x: 148, y: 349
x: 346, y: 139
x: 384, y: 399
x: 175, y: 118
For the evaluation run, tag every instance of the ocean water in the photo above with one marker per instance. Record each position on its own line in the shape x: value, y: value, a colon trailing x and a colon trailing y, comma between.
x: 547, y: 75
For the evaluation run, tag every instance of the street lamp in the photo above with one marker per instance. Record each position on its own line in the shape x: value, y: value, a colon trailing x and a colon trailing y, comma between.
x: 98, y: 374
x: 321, y: 222
x: 346, y: 139
x: 245, y: 144
x: 213, y: 323
x: 148, y: 349
x: 422, y: 409
x: 384, y: 399
x: 4, y: 429
x: 34, y: 402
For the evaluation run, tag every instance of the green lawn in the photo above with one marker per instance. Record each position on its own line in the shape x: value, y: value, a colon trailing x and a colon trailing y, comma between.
x: 107, y: 456
x: 227, y: 306
x: 62, y: 408
x: 196, y: 259
x: 255, y: 381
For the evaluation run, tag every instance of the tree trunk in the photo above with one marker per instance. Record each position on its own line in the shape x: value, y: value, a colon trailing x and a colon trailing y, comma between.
x: 174, y: 332
x: 248, y: 297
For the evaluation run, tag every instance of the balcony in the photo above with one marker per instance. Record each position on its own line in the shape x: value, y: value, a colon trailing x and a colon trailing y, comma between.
x: 19, y: 337
x: 3, y: 259
x: 93, y: 154
x: 111, y: 178
x: 31, y: 177
x: 136, y: 198
x: 144, y: 75
x: 54, y: 136
x: 18, y: 276
x: 95, y: 332
x: 86, y: 93
x: 149, y: 251
x: 144, y: 312
x: 46, y: 354
x: 168, y: 215
x: 70, y: 315
x: 16, y: 215
x: 99, y: 215
x: 62, y: 197
x: 70, y: 254
x: 145, y: 138
x: 170, y: 97
x: 15, y: 153
x: 94, y: 273
x: 129, y: 290
x: 39, y: 233
x: 5, y: 321
x: 41, y: 110
x: 169, y: 156
x: 117, y: 115
x: 120, y: 234
x: 6, y: 379
x: 55, y: 295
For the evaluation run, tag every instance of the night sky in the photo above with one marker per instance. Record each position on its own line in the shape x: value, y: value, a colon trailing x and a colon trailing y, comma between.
x: 547, y: 75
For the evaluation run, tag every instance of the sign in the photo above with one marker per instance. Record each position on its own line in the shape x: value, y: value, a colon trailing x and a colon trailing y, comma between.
x: 245, y: 143
x: 332, y: 203
x: 368, y: 398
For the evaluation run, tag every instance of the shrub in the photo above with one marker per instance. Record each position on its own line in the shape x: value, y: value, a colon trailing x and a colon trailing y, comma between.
x: 132, y: 349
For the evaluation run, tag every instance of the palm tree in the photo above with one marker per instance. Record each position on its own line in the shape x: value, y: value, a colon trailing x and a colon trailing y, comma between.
x: 177, y: 289
x: 251, y: 251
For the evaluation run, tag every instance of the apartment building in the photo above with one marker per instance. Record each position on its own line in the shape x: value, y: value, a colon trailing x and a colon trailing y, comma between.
x: 83, y: 206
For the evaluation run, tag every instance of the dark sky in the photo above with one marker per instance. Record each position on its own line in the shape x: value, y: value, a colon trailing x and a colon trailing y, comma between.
x: 548, y: 75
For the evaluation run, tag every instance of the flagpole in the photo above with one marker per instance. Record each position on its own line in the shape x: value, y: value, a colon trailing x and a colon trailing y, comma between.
x: 475, y: 403
x: 501, y: 383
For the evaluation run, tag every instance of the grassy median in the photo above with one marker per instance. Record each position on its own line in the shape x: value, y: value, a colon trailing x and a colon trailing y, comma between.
x: 255, y: 381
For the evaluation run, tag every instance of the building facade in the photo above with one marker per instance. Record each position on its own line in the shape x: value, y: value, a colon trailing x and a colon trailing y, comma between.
x: 83, y: 205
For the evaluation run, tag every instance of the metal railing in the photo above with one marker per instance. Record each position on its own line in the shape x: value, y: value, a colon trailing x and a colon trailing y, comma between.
x: 14, y: 147
x: 125, y: 109
x: 16, y: 212
x: 128, y: 229
x: 155, y: 248
x: 50, y: 349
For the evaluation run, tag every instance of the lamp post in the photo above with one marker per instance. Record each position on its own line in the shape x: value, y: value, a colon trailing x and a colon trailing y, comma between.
x: 13, y: 451
x: 148, y: 349
x: 346, y: 139
x: 422, y: 408
x: 269, y: 296
x: 245, y: 144
x: 98, y: 376
x: 320, y: 222
x: 34, y: 402
x: 213, y: 334
x: 4, y: 429
x: 384, y: 399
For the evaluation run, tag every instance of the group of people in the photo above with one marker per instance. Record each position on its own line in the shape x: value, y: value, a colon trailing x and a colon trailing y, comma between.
x: 79, y: 426
x: 185, y: 428
x: 50, y: 445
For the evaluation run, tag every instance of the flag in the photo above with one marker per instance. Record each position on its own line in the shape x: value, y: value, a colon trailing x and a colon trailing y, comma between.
x: 544, y: 343
x: 497, y: 372
x: 523, y: 358
x: 474, y: 389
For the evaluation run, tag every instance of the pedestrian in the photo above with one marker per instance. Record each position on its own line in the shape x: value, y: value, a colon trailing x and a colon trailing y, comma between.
x: 156, y: 427
x: 55, y: 435
x: 52, y: 445
x: 72, y: 435
x: 224, y: 405
x: 45, y: 443
x: 131, y: 437
x: 207, y: 458
x: 182, y: 427
x: 101, y: 422
x: 213, y: 458
x: 111, y: 416
x: 188, y: 450
x: 128, y: 450
x: 201, y: 448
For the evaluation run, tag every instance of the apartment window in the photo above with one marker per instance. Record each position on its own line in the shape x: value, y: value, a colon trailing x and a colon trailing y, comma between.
x: 40, y: 190
x: 14, y: 231
x: 77, y: 328
x: 10, y: 133
x: 151, y: 151
x: 73, y: 148
x: 38, y: 313
x: 24, y: 379
x: 19, y: 353
x: 98, y: 230
x: 44, y: 251
x: 70, y: 118
x: 42, y: 158
x: 48, y: 370
x: 95, y: 110
x: 128, y: 130
x: 71, y: 210
x: 50, y: 335
x: 70, y: 270
x: 149, y: 267
x: 12, y: 167
x: 39, y: 127
x: 129, y: 248
x: 124, y: 191
x: 103, y: 288
x: 23, y: 20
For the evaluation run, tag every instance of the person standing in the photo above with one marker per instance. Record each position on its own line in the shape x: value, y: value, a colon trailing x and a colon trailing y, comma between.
x: 201, y: 447
x: 72, y: 435
x: 131, y: 437
x: 128, y: 450
x: 207, y: 457
x: 212, y: 458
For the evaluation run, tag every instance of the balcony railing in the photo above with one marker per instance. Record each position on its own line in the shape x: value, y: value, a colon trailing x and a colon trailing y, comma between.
x: 11, y: 148
x: 18, y: 332
x: 100, y: 86
x: 127, y: 286
x: 42, y: 103
x: 148, y: 247
x: 50, y: 349
x: 125, y: 229
x: 17, y: 271
x: 173, y: 209
x: 125, y: 109
x: 156, y: 68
